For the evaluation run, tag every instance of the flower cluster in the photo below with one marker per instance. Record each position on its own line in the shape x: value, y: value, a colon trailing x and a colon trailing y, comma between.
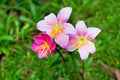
x: 56, y: 29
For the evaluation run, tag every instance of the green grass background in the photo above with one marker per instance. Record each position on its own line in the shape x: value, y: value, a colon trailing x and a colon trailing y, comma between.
x: 18, y: 20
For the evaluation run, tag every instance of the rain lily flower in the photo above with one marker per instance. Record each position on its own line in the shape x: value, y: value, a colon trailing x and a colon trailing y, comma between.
x: 57, y: 27
x: 43, y: 45
x: 82, y: 40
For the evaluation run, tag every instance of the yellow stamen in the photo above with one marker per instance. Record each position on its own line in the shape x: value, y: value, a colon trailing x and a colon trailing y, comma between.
x: 43, y: 50
x: 56, y: 30
x: 81, y: 41
x: 40, y: 47
x: 44, y: 47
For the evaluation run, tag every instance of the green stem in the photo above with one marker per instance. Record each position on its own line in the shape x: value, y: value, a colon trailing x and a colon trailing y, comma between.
x: 63, y: 61
x: 61, y: 56
x: 83, y: 70
x: 74, y: 65
x: 73, y: 60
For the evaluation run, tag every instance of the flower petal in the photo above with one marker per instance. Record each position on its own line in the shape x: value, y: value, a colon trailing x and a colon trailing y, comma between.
x: 62, y: 40
x: 83, y: 53
x: 43, y: 26
x: 72, y: 45
x: 64, y: 14
x: 37, y: 40
x: 68, y: 28
x: 34, y: 46
x: 42, y: 37
x: 46, y: 37
x: 92, y: 33
x: 42, y: 54
x: 52, y: 46
x: 51, y: 19
x: 90, y: 47
x: 81, y: 28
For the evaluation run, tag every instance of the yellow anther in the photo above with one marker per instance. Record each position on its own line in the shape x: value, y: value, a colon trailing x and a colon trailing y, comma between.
x: 44, y: 47
x: 56, y: 30
x: 81, y: 41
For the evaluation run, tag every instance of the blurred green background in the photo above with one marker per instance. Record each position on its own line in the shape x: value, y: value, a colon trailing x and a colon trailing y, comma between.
x: 18, y: 20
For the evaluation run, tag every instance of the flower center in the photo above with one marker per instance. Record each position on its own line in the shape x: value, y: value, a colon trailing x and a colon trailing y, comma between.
x: 45, y: 47
x: 56, y: 30
x: 81, y: 41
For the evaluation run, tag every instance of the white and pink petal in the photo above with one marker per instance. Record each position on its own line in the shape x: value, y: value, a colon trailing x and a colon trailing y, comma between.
x: 81, y: 28
x: 68, y: 28
x: 92, y: 33
x: 62, y: 40
x: 43, y: 26
x: 51, y: 19
x: 72, y: 44
x: 64, y: 14
x: 83, y: 53
x: 90, y: 47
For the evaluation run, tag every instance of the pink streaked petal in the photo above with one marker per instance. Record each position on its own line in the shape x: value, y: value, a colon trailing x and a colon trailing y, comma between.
x: 49, y: 40
x: 42, y: 54
x: 46, y: 37
x: 34, y: 46
x: 37, y: 40
x: 83, y: 53
x: 52, y: 46
x: 68, y: 28
x: 62, y: 40
x: 64, y: 14
x: 42, y: 37
x: 51, y: 19
x: 43, y: 26
x: 92, y: 33
x: 72, y: 45
x: 90, y: 47
x: 81, y: 28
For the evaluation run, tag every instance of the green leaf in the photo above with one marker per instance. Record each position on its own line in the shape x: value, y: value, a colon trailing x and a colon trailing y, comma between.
x: 5, y: 51
x: 26, y: 19
x: 6, y: 37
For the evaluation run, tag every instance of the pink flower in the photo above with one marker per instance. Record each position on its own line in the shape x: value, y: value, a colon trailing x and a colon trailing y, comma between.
x: 43, y: 45
x: 82, y: 40
x: 57, y: 27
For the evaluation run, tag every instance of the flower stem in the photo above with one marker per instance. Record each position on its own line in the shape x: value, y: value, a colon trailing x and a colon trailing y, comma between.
x: 73, y: 60
x: 63, y: 61
x: 61, y: 56
x: 74, y: 65
x: 83, y: 70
